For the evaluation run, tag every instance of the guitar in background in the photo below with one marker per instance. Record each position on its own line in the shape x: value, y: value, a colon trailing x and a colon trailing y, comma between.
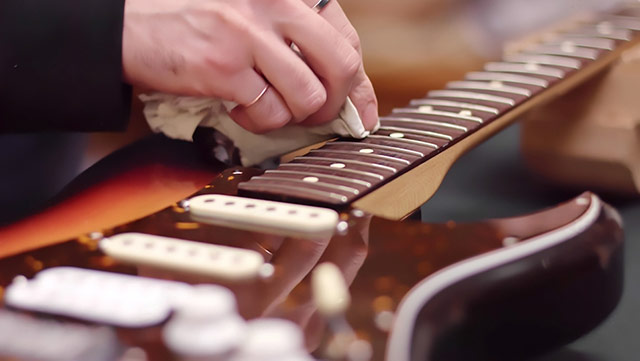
x: 591, y: 139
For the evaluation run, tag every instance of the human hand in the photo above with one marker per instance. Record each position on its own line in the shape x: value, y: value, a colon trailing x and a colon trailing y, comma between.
x: 233, y: 49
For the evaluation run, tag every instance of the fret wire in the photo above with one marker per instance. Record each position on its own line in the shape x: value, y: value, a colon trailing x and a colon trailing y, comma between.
x: 438, y: 112
x: 506, y: 77
x: 343, y: 170
x: 617, y: 34
x: 287, y: 189
x: 348, y: 161
x: 613, y: 17
x: 607, y: 27
x: 525, y: 69
x: 582, y: 53
x: 300, y: 181
x: 584, y: 42
x: 478, y: 85
x: 381, y: 147
x: 370, y: 155
x: 471, y: 96
x: 454, y: 104
x: 425, y: 122
x: 553, y: 60
x: 405, y: 140
x: 418, y: 132
x: 625, y: 22
x: 319, y: 175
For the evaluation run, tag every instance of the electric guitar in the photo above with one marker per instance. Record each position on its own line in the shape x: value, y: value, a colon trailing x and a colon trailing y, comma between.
x: 381, y: 289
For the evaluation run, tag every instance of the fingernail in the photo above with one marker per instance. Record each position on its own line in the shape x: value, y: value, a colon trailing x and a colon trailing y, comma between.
x: 297, y: 120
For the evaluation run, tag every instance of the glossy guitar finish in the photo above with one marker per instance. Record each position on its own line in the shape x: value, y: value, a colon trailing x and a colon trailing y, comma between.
x: 127, y: 185
x: 455, y: 289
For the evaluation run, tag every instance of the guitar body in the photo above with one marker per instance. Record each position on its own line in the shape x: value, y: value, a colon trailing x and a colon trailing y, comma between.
x: 129, y: 184
x: 457, y: 291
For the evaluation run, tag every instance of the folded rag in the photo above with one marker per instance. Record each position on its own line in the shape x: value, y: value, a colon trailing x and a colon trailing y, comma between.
x: 179, y: 116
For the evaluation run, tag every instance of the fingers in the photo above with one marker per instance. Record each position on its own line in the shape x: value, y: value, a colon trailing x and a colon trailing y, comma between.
x: 333, y: 59
x: 311, y: 88
x: 362, y: 93
x: 361, y: 90
x: 364, y: 99
x: 264, y: 110
x: 300, y: 88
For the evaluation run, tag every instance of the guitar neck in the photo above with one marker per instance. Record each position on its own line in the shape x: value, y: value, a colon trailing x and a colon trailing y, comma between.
x: 421, y: 141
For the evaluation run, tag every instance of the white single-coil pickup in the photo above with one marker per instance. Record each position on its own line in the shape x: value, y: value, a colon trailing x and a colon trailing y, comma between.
x: 175, y: 254
x: 264, y: 215
x: 102, y: 297
x: 28, y: 338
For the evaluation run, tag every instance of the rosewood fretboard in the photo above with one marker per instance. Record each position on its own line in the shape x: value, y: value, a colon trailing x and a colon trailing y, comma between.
x: 346, y: 169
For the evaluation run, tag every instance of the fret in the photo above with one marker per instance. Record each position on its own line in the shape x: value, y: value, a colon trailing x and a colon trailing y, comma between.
x: 494, y: 86
x: 582, y: 53
x: 321, y: 167
x: 624, y: 22
x: 439, y: 142
x: 295, y: 191
x: 602, y: 32
x: 454, y: 104
x: 381, y: 157
x: 404, y: 140
x: 418, y: 132
x: 458, y: 115
x: 321, y: 176
x: 430, y: 111
x: 507, y: 78
x: 425, y: 122
x: 362, y: 145
x: 608, y: 26
x: 387, y: 141
x: 585, y: 42
x: 312, y: 183
x: 341, y: 163
x: 530, y: 69
x: 471, y: 96
x: 552, y: 60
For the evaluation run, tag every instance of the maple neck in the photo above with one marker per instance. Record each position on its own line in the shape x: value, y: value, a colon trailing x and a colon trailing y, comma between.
x: 447, y: 122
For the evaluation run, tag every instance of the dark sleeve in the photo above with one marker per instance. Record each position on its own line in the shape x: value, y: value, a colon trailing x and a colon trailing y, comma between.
x: 61, y: 66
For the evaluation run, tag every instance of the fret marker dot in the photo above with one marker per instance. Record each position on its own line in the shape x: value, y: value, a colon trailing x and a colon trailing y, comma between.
x: 425, y: 108
x: 495, y: 84
x: 366, y: 150
x: 568, y: 47
x: 605, y: 28
x: 396, y: 135
x: 311, y: 179
x: 465, y: 113
x: 509, y: 241
x: 337, y: 165
x: 531, y: 66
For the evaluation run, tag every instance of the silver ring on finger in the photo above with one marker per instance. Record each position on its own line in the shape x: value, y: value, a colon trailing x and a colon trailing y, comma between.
x: 320, y: 5
x: 256, y: 99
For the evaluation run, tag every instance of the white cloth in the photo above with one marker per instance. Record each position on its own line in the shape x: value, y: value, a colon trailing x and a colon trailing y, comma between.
x: 179, y: 116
